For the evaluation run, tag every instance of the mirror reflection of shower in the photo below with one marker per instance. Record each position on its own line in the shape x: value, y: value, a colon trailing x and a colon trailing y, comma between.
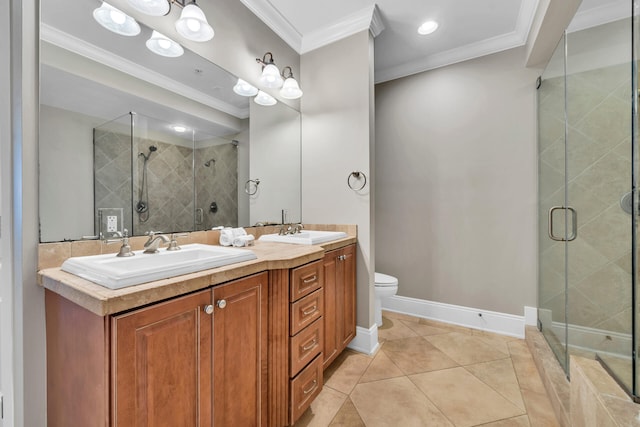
x: 142, y: 207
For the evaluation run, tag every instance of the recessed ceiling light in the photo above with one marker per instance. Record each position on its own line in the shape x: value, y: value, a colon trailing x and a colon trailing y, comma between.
x: 427, y: 28
x: 180, y: 129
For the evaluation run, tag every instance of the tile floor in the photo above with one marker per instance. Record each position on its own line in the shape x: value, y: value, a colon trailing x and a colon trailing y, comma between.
x: 433, y: 374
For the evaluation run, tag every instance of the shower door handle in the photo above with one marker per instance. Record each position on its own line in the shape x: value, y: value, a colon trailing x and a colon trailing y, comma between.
x: 199, y: 216
x: 574, y: 224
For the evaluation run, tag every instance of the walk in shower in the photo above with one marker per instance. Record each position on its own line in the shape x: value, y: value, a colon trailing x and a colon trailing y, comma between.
x: 588, y: 207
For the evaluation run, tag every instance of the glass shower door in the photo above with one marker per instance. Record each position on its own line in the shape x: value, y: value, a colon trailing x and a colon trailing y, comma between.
x: 552, y: 295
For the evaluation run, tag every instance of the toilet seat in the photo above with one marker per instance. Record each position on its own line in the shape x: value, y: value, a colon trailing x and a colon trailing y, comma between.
x: 383, y: 280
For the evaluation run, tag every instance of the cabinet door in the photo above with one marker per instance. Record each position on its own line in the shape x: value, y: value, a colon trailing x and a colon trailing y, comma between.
x: 346, y: 271
x: 240, y: 342
x: 162, y: 362
x: 331, y: 344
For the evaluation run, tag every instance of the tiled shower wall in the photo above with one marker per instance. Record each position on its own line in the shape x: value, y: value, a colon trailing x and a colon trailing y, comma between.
x: 170, y: 182
x: 598, y: 175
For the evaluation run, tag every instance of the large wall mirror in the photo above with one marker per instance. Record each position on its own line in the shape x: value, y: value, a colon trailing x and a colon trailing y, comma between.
x: 130, y: 139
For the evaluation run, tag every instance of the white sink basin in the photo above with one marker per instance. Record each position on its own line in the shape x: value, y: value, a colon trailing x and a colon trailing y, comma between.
x: 118, y: 272
x: 307, y: 237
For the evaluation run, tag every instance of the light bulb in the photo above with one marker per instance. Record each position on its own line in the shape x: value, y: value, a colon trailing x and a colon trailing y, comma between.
x: 117, y: 16
x: 244, y: 89
x: 193, y: 24
x: 162, y: 45
x: 271, y: 76
x: 116, y: 20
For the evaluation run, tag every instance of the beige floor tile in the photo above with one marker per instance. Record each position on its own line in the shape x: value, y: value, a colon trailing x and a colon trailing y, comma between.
x: 394, y: 329
x: 539, y: 409
x: 465, y: 349
x: 345, y: 372
x: 415, y: 355
x: 499, y: 342
x: 499, y: 375
x: 396, y: 402
x: 525, y: 367
x: 424, y: 330
x: 381, y: 368
x: 347, y: 416
x: 522, y: 421
x: 463, y: 398
x: 323, y: 409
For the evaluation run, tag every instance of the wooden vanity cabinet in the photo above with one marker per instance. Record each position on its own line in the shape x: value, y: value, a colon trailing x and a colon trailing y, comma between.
x: 195, y: 360
x: 339, y: 301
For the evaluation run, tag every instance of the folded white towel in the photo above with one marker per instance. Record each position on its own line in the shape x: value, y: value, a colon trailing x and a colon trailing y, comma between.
x: 239, y: 232
x: 244, y: 240
x: 226, y: 237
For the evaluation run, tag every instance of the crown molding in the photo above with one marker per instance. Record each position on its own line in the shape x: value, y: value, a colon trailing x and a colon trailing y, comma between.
x: 516, y: 38
x: 71, y: 43
x: 605, y: 13
x: 365, y: 19
x: 268, y: 14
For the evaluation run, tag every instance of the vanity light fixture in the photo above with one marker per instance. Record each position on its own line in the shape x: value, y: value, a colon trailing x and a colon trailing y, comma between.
x: 151, y: 7
x: 264, y: 99
x: 179, y: 129
x: 193, y: 24
x: 270, y: 77
x: 290, y: 88
x: 115, y: 20
x: 243, y: 88
x: 163, y: 45
x: 427, y: 28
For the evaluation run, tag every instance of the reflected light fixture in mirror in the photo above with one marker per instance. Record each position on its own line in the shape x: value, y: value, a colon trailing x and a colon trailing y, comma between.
x: 193, y: 24
x: 115, y: 20
x: 163, y: 45
x: 270, y: 77
x: 264, y: 99
x: 151, y: 7
x: 290, y: 88
x: 243, y: 88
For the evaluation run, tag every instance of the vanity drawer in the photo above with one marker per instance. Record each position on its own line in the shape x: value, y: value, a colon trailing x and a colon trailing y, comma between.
x: 305, y: 311
x: 304, y: 388
x: 305, y: 346
x: 305, y: 280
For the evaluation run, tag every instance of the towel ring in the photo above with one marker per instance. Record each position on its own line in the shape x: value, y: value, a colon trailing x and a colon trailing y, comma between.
x: 251, y: 183
x: 357, y: 175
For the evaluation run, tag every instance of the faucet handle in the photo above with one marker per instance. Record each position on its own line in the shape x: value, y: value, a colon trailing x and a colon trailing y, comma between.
x: 125, y: 249
x: 173, y: 245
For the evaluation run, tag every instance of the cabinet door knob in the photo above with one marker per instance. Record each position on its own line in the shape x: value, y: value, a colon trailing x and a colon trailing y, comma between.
x: 221, y: 303
x: 208, y: 309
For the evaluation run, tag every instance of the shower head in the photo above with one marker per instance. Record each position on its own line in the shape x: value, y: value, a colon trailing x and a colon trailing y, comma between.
x: 210, y: 162
x: 152, y: 148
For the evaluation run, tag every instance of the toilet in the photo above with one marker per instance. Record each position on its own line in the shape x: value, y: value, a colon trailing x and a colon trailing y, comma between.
x: 386, y: 286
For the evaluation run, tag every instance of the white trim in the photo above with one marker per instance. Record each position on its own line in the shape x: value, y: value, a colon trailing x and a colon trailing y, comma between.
x: 73, y: 44
x: 268, y: 14
x: 530, y: 316
x: 516, y: 38
x: 351, y: 24
x: 366, y: 340
x: 485, y: 320
x: 603, y: 14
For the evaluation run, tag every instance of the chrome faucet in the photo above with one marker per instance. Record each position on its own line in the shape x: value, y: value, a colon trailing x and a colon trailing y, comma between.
x: 290, y: 229
x: 151, y: 245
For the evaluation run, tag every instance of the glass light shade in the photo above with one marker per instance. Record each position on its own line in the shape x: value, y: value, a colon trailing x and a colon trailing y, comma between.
x: 271, y: 77
x: 245, y: 89
x: 290, y: 89
x: 151, y: 7
x: 264, y: 99
x: 163, y: 45
x: 193, y: 25
x: 116, y: 20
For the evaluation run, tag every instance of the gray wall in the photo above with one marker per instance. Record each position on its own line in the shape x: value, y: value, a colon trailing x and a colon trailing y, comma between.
x: 337, y: 139
x: 456, y: 183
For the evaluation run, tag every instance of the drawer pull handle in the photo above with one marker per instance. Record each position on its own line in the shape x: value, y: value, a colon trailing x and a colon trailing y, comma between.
x: 208, y: 309
x: 312, y: 279
x: 310, y: 389
x: 309, y: 310
x: 221, y: 303
x: 309, y: 346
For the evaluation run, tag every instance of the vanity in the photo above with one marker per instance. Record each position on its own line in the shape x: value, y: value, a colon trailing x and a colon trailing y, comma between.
x: 238, y: 345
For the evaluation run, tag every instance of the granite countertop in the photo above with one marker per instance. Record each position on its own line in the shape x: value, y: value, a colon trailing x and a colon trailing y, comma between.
x: 104, y: 301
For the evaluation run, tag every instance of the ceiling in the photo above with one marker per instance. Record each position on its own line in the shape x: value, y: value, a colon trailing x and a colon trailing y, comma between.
x: 467, y: 28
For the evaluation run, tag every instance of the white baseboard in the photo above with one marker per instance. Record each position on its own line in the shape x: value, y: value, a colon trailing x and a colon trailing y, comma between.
x: 366, y: 340
x: 490, y: 321
x: 590, y: 339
